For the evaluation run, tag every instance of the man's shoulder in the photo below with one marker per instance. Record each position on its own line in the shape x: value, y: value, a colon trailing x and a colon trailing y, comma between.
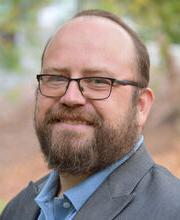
x: 147, y: 180
x: 162, y: 179
x: 159, y: 193
x: 24, y: 202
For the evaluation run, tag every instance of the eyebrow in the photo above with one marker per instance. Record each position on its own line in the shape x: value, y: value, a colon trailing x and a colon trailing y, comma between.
x: 84, y: 72
x: 56, y: 70
x: 98, y: 71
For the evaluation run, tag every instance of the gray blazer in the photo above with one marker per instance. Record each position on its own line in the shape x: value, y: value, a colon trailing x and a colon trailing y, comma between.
x: 137, y: 190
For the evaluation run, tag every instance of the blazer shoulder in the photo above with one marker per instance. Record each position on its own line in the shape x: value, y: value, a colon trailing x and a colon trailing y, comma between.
x: 160, y: 193
x: 165, y: 177
x: 23, y: 202
x: 161, y: 189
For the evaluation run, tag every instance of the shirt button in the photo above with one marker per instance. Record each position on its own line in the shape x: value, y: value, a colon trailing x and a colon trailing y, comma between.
x: 66, y: 205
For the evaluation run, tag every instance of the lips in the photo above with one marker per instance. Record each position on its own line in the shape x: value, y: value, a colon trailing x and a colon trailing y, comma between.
x: 74, y: 122
x: 71, y: 121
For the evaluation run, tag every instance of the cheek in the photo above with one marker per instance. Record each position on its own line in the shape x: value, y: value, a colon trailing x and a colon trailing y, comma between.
x: 115, y: 107
x: 43, y: 104
x: 109, y: 111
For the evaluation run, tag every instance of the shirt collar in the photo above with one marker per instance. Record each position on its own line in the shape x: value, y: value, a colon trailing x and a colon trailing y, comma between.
x: 49, y: 189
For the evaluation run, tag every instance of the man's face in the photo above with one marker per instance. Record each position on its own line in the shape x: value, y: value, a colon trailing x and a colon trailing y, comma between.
x: 78, y: 135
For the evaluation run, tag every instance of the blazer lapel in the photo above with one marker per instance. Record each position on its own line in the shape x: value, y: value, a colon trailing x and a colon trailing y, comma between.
x: 102, y: 206
x: 118, y: 191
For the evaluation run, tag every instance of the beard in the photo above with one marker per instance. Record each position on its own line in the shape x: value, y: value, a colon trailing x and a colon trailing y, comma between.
x: 73, y: 153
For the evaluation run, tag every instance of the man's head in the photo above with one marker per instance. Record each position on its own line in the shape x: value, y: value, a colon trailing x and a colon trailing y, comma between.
x: 79, y: 134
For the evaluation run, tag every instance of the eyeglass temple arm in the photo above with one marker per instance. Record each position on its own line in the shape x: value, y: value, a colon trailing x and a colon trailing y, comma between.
x: 129, y: 82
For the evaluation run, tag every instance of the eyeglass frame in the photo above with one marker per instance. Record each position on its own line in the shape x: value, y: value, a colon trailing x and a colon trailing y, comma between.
x: 112, y: 80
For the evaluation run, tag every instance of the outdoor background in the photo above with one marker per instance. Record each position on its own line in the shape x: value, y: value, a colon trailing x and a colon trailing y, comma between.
x: 25, y: 26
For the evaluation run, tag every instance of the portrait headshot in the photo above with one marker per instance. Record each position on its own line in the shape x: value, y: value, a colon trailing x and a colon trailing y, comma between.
x: 92, y: 100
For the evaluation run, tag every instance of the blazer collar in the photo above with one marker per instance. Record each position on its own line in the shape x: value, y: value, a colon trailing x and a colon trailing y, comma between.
x: 118, y: 190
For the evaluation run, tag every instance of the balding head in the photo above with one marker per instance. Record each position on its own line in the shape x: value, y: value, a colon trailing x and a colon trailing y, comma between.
x: 126, y: 39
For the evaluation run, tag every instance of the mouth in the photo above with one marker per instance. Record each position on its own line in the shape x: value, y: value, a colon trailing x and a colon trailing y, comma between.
x: 72, y: 126
x: 72, y: 121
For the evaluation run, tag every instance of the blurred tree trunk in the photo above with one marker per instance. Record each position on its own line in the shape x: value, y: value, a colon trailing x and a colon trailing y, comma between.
x: 173, y: 82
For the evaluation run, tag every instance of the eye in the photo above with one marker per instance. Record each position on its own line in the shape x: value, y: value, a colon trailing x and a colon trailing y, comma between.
x: 54, y: 80
x: 100, y: 81
x: 97, y: 83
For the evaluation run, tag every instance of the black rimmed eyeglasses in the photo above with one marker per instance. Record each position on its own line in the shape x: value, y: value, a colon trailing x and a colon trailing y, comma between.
x: 96, y: 88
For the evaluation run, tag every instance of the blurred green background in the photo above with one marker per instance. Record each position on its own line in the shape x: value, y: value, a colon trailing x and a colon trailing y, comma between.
x: 25, y: 27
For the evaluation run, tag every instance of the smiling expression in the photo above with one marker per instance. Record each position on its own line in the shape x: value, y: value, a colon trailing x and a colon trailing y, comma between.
x: 88, y: 47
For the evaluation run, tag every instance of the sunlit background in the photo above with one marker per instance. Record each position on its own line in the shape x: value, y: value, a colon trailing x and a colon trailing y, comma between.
x: 25, y: 26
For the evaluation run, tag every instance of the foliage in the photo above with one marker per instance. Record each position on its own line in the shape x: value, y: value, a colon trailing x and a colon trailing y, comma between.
x: 157, y: 20
x: 16, y: 16
x: 160, y: 16
x: 2, y: 205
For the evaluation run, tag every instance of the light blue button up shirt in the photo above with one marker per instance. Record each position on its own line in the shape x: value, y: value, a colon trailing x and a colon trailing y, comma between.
x: 66, y: 207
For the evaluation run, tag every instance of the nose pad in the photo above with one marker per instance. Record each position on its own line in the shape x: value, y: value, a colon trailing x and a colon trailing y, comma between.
x: 81, y: 88
x: 77, y: 84
x: 73, y: 95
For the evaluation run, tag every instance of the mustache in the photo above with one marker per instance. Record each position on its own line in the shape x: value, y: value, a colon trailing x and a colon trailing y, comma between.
x: 63, y: 114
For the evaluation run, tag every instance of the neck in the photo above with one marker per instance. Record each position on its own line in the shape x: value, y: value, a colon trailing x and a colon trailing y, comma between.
x: 68, y: 181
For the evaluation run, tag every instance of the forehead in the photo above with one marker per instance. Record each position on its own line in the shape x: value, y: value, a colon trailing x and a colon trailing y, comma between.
x: 87, y: 27
x: 92, y: 35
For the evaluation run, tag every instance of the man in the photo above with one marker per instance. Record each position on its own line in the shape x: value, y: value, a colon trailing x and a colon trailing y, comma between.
x: 91, y: 106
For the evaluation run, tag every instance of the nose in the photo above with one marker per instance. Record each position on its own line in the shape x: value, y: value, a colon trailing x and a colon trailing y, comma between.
x: 73, y: 96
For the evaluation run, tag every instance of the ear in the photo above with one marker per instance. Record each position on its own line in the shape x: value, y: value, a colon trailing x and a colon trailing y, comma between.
x: 144, y: 104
